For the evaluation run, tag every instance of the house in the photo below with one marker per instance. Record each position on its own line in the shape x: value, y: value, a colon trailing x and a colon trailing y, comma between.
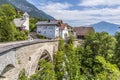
x: 22, y: 23
x: 49, y: 29
x: 81, y: 32
x: 63, y: 31
x: 52, y: 29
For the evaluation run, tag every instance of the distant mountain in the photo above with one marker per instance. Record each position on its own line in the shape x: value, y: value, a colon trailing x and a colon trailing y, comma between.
x: 106, y: 26
x: 25, y: 6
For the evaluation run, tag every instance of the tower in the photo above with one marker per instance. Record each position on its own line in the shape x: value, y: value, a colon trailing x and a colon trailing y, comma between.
x: 26, y: 18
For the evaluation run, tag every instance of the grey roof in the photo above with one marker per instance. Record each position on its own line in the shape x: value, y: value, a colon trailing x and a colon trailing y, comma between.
x: 18, y: 22
x: 47, y: 23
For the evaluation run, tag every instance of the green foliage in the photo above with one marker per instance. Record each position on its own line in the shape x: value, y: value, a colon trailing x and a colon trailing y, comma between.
x: 59, y: 65
x: 61, y: 45
x: 22, y: 75
x: 109, y: 71
x: 45, y: 72
x: 116, y: 58
x: 93, y: 61
x: 70, y: 40
x: 101, y: 44
x: 8, y: 11
x: 8, y: 31
x: 33, y: 22
x: 41, y: 37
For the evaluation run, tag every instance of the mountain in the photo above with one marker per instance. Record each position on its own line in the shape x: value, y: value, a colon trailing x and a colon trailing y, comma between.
x: 25, y: 6
x: 106, y: 26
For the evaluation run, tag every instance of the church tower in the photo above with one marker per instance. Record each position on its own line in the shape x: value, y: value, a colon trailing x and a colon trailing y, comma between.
x: 26, y: 18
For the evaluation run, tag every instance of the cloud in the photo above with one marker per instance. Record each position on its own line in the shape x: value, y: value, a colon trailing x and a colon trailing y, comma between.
x: 86, y: 16
x: 91, y: 3
x: 56, y: 6
x: 81, y: 17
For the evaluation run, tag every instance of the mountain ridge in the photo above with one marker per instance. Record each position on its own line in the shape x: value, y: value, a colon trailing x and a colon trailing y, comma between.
x: 111, y: 28
x: 26, y: 6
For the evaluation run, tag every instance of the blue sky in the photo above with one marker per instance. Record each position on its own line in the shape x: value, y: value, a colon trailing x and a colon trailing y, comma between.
x: 81, y: 12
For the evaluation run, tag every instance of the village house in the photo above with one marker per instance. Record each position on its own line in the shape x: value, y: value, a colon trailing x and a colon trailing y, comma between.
x: 22, y: 23
x: 48, y: 29
x: 63, y: 31
x: 81, y: 32
x: 52, y: 29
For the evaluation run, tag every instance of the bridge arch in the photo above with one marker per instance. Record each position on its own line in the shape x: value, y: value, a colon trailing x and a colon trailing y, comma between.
x: 44, y: 56
x: 7, y: 69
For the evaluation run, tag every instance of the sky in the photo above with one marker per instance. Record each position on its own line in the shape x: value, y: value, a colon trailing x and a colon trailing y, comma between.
x: 81, y: 12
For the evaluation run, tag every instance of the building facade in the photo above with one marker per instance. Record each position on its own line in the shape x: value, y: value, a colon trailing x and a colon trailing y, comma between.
x: 81, y: 32
x: 64, y: 34
x: 48, y: 29
x: 23, y: 22
x: 52, y: 29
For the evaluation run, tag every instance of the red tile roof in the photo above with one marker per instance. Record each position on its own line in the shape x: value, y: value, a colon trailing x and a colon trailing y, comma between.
x: 83, y: 30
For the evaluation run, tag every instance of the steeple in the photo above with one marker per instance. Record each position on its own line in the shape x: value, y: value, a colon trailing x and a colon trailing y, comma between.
x: 25, y: 14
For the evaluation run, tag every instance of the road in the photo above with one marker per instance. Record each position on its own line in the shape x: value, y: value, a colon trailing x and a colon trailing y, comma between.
x: 18, y: 42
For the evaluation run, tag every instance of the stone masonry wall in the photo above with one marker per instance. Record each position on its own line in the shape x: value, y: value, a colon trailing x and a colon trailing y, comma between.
x: 24, y: 56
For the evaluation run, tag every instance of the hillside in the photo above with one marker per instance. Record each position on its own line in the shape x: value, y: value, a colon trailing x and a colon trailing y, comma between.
x: 25, y: 6
x: 106, y: 26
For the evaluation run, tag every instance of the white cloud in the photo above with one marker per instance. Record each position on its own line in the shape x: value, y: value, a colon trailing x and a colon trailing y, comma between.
x: 56, y: 6
x: 82, y: 17
x: 99, y: 2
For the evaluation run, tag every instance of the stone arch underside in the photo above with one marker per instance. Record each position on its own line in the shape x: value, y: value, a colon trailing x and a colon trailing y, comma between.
x: 6, y: 69
x: 35, y: 58
x: 44, y: 56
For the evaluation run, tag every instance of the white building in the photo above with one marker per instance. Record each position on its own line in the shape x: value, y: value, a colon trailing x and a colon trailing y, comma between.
x: 22, y: 23
x: 48, y: 29
x: 52, y: 29
x: 64, y: 34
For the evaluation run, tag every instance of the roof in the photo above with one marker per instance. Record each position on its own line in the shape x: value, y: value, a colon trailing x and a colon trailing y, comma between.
x: 62, y: 27
x: 26, y: 14
x: 19, y: 22
x: 83, y: 30
x: 47, y: 23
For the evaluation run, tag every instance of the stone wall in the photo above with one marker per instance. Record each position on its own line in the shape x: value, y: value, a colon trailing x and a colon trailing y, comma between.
x: 16, y: 57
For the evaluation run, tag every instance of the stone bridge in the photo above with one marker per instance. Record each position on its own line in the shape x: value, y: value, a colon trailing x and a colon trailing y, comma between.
x: 14, y: 58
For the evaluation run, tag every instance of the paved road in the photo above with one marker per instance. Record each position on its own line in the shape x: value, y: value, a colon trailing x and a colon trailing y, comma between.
x: 18, y: 42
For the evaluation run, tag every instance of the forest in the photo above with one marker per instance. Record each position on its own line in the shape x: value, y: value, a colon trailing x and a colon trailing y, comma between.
x: 96, y: 59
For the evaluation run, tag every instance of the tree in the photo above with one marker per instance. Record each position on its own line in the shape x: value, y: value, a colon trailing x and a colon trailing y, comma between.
x: 22, y: 75
x: 45, y: 72
x: 116, y: 58
x: 109, y: 71
x: 7, y: 30
x: 59, y: 63
x: 8, y: 10
x: 101, y: 44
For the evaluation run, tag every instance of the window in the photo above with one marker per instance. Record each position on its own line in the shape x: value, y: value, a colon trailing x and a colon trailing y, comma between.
x: 44, y: 32
x: 50, y: 27
x: 39, y: 31
x: 45, y: 27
